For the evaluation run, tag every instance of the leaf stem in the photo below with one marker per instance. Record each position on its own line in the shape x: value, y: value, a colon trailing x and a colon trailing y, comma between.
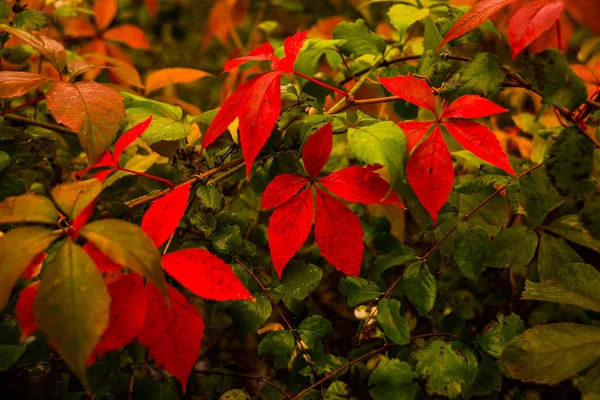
x: 26, y: 104
x: 168, y: 182
x: 323, y: 84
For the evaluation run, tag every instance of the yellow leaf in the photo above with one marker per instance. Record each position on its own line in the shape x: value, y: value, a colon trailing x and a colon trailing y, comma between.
x: 170, y: 76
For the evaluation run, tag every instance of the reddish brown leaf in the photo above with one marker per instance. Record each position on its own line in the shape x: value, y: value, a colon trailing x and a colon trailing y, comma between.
x: 289, y: 227
x: 93, y: 111
x: 414, y: 131
x: 479, y: 140
x: 50, y: 49
x: 411, y: 89
x: 128, y: 137
x: 128, y: 308
x: 338, y: 234
x: 476, y: 16
x: 14, y: 84
x: 24, y: 310
x: 291, y: 46
x: 530, y: 21
x: 152, y: 6
x: 103, y: 263
x: 430, y: 173
x: 83, y: 217
x: 163, y: 216
x: 261, y: 53
x: 258, y: 115
x: 224, y: 16
x: 105, y: 11
x: 315, y: 152
x: 173, y: 337
x: 590, y: 75
x: 205, y: 275
x: 130, y: 35
x: 360, y: 185
x: 586, y: 12
x: 472, y: 106
x: 93, y: 53
x: 169, y: 76
x: 281, y: 189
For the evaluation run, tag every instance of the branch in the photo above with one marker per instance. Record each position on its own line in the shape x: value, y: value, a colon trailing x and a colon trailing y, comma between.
x: 256, y: 378
x: 33, y: 122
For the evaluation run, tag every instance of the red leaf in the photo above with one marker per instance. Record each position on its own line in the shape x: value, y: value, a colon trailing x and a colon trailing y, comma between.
x: 14, y: 84
x: 228, y: 112
x: 128, y: 137
x: 291, y: 46
x: 205, y: 275
x: 411, y: 89
x: 127, y: 313
x: 281, y: 189
x: 152, y: 6
x: 130, y: 35
x: 82, y: 218
x: 414, y: 132
x: 105, y: 11
x: 315, y: 152
x: 173, y: 337
x: 163, y: 216
x: 339, y: 234
x: 289, y: 227
x: 106, y: 160
x: 261, y: 53
x: 259, y: 112
x: 430, y: 173
x: 34, y: 268
x: 479, y: 140
x: 103, y: 263
x: 530, y: 21
x: 476, y: 16
x: 360, y: 185
x: 24, y: 310
x: 472, y: 106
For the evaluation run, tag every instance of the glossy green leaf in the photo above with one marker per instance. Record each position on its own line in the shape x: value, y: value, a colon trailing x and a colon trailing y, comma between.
x: 298, y: 280
x: 358, y: 290
x: 312, y: 330
x: 403, y: 16
x: 392, y: 380
x: 359, y: 39
x: 128, y: 245
x: 434, y: 67
x: 394, y: 326
x: 471, y: 244
x: 420, y: 287
x: 548, y: 354
x: 553, y: 254
x: 152, y: 106
x: 227, y: 239
x: 210, y: 198
x: 498, y: 333
x: 280, y: 344
x: 514, y: 247
x: 484, y: 76
x: 248, y: 315
x: 72, y: 306
x: 399, y: 256
x: 28, y: 208
x: 161, y: 128
x: 571, y: 228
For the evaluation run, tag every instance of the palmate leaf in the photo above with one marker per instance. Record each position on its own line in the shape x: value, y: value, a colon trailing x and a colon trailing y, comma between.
x: 28, y: 208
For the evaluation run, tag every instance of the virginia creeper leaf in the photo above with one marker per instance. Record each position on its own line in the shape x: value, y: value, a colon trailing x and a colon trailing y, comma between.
x: 415, y: 132
x: 411, y: 89
x: 261, y: 53
x: 315, y: 152
x: 28, y: 208
x: 15, y: 84
x: 281, y: 189
x: 72, y: 306
x: 205, y: 275
x: 24, y: 310
x: 292, y: 46
x: 103, y: 263
x: 169, y: 76
x: 50, y: 49
x: 472, y: 106
x: 530, y: 21
x: 162, y: 217
x: 128, y: 137
x: 338, y: 234
x: 130, y: 35
x: 74, y: 197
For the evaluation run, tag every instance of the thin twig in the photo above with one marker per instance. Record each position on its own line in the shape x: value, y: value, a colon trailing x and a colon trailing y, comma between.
x: 33, y: 122
x: 26, y: 104
x: 323, y: 84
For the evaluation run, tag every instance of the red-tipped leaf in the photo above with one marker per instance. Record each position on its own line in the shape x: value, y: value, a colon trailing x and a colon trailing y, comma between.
x: 281, y: 189
x: 530, y: 21
x: 261, y: 53
x: 411, y: 89
x: 128, y: 137
x: 472, y: 106
x: 163, y: 216
x: 291, y: 46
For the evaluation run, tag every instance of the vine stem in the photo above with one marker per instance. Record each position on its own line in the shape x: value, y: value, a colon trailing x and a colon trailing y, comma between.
x: 247, y: 376
x: 323, y: 84
x: 158, y: 178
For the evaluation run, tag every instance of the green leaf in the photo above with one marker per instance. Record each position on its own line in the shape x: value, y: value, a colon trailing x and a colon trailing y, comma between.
x: 570, y: 164
x: 72, y: 306
x: 491, y: 217
x: 210, y: 198
x: 137, y: 163
x: 358, y: 290
x: 298, y: 280
x: 498, y: 333
x: 309, y: 57
x: 547, y: 354
x: 420, y: 287
x: 4, y: 160
x: 435, y: 67
x: 445, y: 369
x: 394, y: 326
x: 575, y: 284
x: 591, y: 381
x: 338, y: 390
x: 551, y: 75
x: 471, y: 243
x: 235, y: 394
x: 227, y: 239
x: 18, y: 248
x: 553, y: 254
x: 402, y: 16
x: 248, y: 315
x: 9, y: 354
x: 280, y: 344
x: 152, y: 106
x: 128, y: 245
x: 488, y: 380
x: 392, y: 380
x: 73, y: 197
x: 590, y: 215
x: 28, y: 208
x: 400, y: 255
x: 312, y: 329
x: 514, y: 247
x: 432, y: 36
x: 359, y: 39
x: 30, y: 20
x: 383, y: 143
x: 571, y: 228
x: 484, y: 76
x: 161, y: 128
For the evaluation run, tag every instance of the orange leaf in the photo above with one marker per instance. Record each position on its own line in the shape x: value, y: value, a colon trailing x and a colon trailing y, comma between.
x: 14, y: 84
x: 50, y: 49
x: 105, y: 11
x: 218, y: 26
x: 94, y: 111
x: 80, y: 28
x: 130, y: 35
x: 169, y: 76
x: 93, y: 52
x: 176, y: 101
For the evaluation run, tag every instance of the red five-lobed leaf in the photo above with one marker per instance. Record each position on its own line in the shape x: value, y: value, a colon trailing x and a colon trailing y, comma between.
x: 317, y: 149
x: 173, y: 337
x: 103, y: 263
x: 411, y: 89
x: 261, y: 53
x: 163, y: 216
x: 338, y: 234
x: 291, y: 46
x: 472, y: 106
x: 24, y: 310
x: 281, y: 189
x: 530, y: 21
x: 415, y: 132
x: 205, y: 275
